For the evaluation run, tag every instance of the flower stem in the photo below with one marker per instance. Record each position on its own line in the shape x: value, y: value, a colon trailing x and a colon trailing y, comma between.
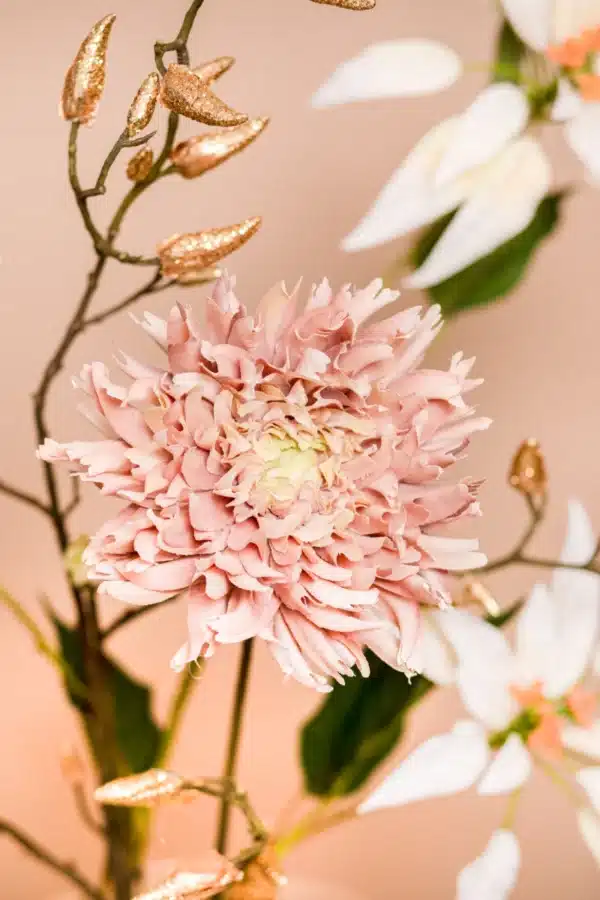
x: 235, y: 732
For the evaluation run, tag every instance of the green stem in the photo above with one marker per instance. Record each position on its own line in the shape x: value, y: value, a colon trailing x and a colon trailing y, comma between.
x: 235, y: 732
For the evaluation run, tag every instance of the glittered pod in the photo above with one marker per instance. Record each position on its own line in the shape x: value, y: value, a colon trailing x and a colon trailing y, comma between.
x: 528, y: 470
x: 146, y: 789
x: 210, y: 71
x: 185, y: 254
x: 86, y: 77
x: 216, y: 875
x: 198, y: 154
x: 349, y: 4
x: 143, y: 105
x: 185, y: 93
x: 139, y: 166
x: 262, y: 878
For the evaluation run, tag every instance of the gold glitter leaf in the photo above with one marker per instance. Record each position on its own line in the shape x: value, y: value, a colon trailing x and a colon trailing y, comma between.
x: 210, y: 71
x: 528, y: 471
x: 85, y: 79
x: 186, y: 254
x: 143, y: 105
x: 218, y: 874
x: 262, y: 879
x: 199, y: 154
x: 185, y: 93
x: 146, y: 789
x: 138, y: 167
x: 350, y: 4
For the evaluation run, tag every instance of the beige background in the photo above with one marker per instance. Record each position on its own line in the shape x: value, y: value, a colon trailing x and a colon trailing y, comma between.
x: 311, y: 176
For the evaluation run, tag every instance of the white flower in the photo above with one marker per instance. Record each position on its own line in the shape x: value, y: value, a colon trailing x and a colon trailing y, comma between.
x: 527, y: 704
x: 566, y: 31
x: 479, y: 162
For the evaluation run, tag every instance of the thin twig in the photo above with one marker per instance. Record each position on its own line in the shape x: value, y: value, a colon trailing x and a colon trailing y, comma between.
x: 75, y: 685
x: 151, y: 287
x: 75, y: 498
x: 235, y: 732
x: 66, y: 869
x: 24, y: 497
x: 123, y: 142
x: 85, y: 813
x: 187, y: 682
x: 130, y: 616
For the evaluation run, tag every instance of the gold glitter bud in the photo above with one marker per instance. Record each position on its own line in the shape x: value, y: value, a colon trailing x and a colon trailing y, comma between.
x: 138, y: 167
x: 262, y: 879
x: 219, y: 874
x: 475, y: 593
x: 143, y: 105
x: 187, y: 94
x: 528, y: 471
x: 210, y: 71
x: 186, y: 254
x: 146, y: 789
x: 194, y: 278
x: 199, y: 154
x: 85, y: 79
x: 350, y: 4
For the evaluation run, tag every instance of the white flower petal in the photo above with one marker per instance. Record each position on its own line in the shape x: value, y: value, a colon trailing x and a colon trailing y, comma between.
x: 499, y: 114
x: 486, y: 667
x: 577, y: 599
x: 408, y: 68
x: 533, y: 20
x: 410, y: 199
x: 583, y: 135
x: 538, y: 638
x: 573, y: 17
x: 583, y: 740
x: 510, y: 769
x: 589, y: 779
x: 432, y: 655
x: 589, y: 826
x: 503, y: 204
x: 493, y: 875
x: 443, y: 765
x: 568, y: 102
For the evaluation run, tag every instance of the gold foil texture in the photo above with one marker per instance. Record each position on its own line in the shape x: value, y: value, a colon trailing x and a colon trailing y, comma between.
x: 198, y: 154
x: 86, y: 77
x: 186, y: 93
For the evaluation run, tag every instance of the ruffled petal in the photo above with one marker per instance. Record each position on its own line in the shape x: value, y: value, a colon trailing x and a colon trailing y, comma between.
x: 443, y: 765
x: 406, y: 68
x: 573, y: 17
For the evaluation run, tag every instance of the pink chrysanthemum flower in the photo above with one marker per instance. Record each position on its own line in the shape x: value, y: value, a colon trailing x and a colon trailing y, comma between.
x: 282, y: 473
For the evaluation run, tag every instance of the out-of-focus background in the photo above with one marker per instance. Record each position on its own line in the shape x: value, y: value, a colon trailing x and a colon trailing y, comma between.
x: 311, y: 176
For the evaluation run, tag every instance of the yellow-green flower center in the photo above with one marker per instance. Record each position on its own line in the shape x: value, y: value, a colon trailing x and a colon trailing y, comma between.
x: 289, y: 464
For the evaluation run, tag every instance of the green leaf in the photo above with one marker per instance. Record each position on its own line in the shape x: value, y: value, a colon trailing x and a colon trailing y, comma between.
x: 138, y: 736
x: 496, y: 275
x: 356, y: 728
x: 510, y: 53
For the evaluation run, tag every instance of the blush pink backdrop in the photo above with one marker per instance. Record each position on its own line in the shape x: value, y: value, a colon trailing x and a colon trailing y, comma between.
x: 311, y: 176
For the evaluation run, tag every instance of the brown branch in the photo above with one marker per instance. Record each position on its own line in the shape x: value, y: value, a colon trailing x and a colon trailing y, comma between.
x: 130, y: 616
x: 153, y: 286
x: 123, y: 142
x: 23, y: 496
x: 66, y: 869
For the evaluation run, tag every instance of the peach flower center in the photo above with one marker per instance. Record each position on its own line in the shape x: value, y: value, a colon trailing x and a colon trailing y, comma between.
x: 541, y: 721
x: 577, y: 57
x: 288, y: 465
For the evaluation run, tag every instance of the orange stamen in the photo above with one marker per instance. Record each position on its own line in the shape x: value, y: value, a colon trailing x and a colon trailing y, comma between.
x: 583, y: 706
x: 571, y: 55
x: 530, y: 697
x: 546, y: 739
x: 589, y: 86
